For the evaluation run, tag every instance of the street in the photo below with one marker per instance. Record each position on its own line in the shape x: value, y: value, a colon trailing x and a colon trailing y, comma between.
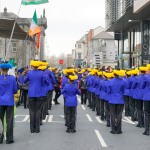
x: 92, y: 133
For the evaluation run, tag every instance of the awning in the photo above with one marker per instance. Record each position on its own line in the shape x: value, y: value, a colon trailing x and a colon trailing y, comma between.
x: 6, y: 27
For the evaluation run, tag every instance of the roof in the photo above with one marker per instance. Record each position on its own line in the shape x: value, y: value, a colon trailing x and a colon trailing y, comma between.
x: 103, y: 35
x: 6, y: 26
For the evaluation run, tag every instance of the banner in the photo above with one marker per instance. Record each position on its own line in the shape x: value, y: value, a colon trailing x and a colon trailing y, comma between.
x: 33, y: 2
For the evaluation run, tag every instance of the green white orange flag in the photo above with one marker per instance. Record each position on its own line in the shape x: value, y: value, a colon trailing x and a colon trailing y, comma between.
x: 34, y: 28
x: 33, y: 2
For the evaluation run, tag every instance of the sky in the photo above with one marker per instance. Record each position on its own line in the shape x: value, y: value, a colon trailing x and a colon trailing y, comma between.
x: 68, y: 20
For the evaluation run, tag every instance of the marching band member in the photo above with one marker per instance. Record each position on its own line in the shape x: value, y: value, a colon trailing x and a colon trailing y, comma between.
x: 116, y: 90
x: 8, y: 87
x: 70, y: 91
x: 36, y: 93
x: 146, y: 100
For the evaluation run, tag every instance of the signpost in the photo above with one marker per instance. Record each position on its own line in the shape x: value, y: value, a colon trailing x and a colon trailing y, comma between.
x: 61, y: 62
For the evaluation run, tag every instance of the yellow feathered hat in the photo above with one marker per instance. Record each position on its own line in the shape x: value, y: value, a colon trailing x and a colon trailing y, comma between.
x: 109, y: 75
x: 148, y: 66
x: 42, y: 67
x: 35, y: 63
x: 120, y: 73
x: 100, y: 73
x: 73, y: 77
x: 135, y: 71
x: 44, y: 63
x: 143, y: 68
x: 129, y: 72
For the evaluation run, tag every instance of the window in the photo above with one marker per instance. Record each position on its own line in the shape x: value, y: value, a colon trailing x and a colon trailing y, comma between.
x: 79, y: 45
x: 110, y: 54
x: 79, y: 55
x: 14, y: 47
x: 0, y: 45
x: 104, y: 56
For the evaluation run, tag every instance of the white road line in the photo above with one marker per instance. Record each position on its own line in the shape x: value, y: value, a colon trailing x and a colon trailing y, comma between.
x: 129, y: 121
x: 83, y: 107
x: 45, y: 118
x: 26, y: 117
x: 53, y: 102
x: 102, y: 142
x: 99, y: 120
x: 89, y: 118
x: 50, y: 118
x: 79, y: 99
x: 62, y: 116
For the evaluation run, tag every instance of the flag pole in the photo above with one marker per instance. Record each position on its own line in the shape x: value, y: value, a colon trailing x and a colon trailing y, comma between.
x: 12, y: 32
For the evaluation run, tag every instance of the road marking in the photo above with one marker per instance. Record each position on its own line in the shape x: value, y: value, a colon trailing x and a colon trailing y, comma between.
x: 102, y: 142
x: 83, y: 107
x: 128, y: 120
x: 62, y: 116
x: 45, y: 118
x: 50, y: 118
x: 26, y: 117
x: 89, y: 118
x: 99, y: 120
x: 79, y: 99
x: 53, y: 102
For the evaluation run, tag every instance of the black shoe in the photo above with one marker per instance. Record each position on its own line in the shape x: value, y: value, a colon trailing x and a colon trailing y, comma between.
x: 9, y: 142
x: 98, y: 114
x: 139, y: 125
x: 57, y: 103
x: 113, y: 132
x: 1, y: 138
x: 108, y: 125
x: 88, y: 105
x: 32, y: 131
x: 73, y: 131
x: 68, y: 130
x: 41, y: 123
x: 37, y: 131
x: 146, y: 133
x: 102, y: 118
x: 54, y: 100
x: 118, y: 132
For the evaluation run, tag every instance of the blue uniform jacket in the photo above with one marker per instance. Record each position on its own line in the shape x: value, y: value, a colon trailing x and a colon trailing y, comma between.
x: 89, y: 83
x: 97, y: 86
x: 116, y: 90
x: 37, y: 83
x: 79, y: 76
x: 65, y: 81
x: 102, y: 90
x: 8, y: 88
x: 51, y: 79
x: 137, y: 87
x: 69, y: 92
x: 131, y: 90
x: 146, y: 86
x: 127, y: 86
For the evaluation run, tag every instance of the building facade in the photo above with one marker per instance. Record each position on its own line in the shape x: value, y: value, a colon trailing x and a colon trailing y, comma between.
x: 130, y: 22
x: 22, y: 51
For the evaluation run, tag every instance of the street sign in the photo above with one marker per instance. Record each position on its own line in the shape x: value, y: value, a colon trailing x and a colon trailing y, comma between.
x: 61, y: 62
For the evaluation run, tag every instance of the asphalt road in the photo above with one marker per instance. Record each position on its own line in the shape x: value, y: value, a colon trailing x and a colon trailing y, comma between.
x: 92, y: 133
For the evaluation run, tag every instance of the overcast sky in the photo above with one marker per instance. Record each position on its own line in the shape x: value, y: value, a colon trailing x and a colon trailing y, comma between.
x: 68, y: 20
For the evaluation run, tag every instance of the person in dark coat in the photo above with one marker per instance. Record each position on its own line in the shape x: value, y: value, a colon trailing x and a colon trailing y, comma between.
x: 8, y: 87
x: 83, y: 88
x: 69, y: 92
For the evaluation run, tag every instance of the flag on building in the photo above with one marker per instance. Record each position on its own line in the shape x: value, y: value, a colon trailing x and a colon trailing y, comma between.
x: 34, y: 28
x: 33, y: 2
x: 38, y: 36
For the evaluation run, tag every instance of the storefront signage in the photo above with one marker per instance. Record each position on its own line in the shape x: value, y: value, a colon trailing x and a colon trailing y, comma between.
x: 139, y: 5
x: 145, y: 42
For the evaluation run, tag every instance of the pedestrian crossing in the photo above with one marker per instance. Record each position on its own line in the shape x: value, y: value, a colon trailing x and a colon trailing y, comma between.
x: 58, y: 119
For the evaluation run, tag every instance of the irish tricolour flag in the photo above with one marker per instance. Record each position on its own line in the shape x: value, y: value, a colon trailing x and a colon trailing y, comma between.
x: 34, y: 28
x: 34, y: 2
